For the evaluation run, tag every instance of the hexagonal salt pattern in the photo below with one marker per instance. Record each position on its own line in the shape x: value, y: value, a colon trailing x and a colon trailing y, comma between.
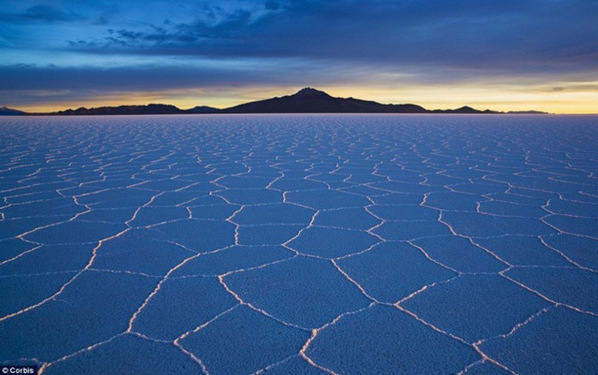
x: 301, y: 244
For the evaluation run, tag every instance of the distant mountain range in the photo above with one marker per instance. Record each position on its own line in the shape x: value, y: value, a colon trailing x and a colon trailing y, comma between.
x: 307, y: 100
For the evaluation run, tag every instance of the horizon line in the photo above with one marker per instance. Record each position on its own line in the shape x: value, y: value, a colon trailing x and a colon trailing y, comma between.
x: 304, y: 89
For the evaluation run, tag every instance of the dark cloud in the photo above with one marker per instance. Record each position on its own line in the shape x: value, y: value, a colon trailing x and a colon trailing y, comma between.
x: 40, y: 13
x: 517, y: 35
x: 46, y: 13
x: 151, y: 77
x: 26, y: 77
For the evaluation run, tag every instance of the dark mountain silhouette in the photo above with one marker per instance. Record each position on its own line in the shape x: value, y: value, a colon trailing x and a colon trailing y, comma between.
x: 463, y: 110
x: 4, y: 111
x: 203, y: 109
x: 310, y: 100
x: 307, y: 100
x: 150, y: 109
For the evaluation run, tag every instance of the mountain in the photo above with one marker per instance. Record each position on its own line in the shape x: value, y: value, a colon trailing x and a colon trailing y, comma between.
x: 203, y: 109
x: 150, y: 109
x: 309, y: 100
x: 465, y: 110
x: 4, y: 111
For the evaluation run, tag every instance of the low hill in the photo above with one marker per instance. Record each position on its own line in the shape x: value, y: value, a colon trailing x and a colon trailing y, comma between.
x: 150, y: 109
x: 4, y: 111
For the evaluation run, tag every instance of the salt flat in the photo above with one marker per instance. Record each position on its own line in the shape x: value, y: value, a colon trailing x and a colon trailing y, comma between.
x: 299, y: 244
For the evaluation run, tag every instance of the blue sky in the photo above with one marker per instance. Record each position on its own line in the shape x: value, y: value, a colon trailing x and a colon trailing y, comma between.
x: 510, y: 54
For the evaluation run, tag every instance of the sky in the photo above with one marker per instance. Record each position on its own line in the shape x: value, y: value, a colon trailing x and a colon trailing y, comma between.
x: 502, y: 55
